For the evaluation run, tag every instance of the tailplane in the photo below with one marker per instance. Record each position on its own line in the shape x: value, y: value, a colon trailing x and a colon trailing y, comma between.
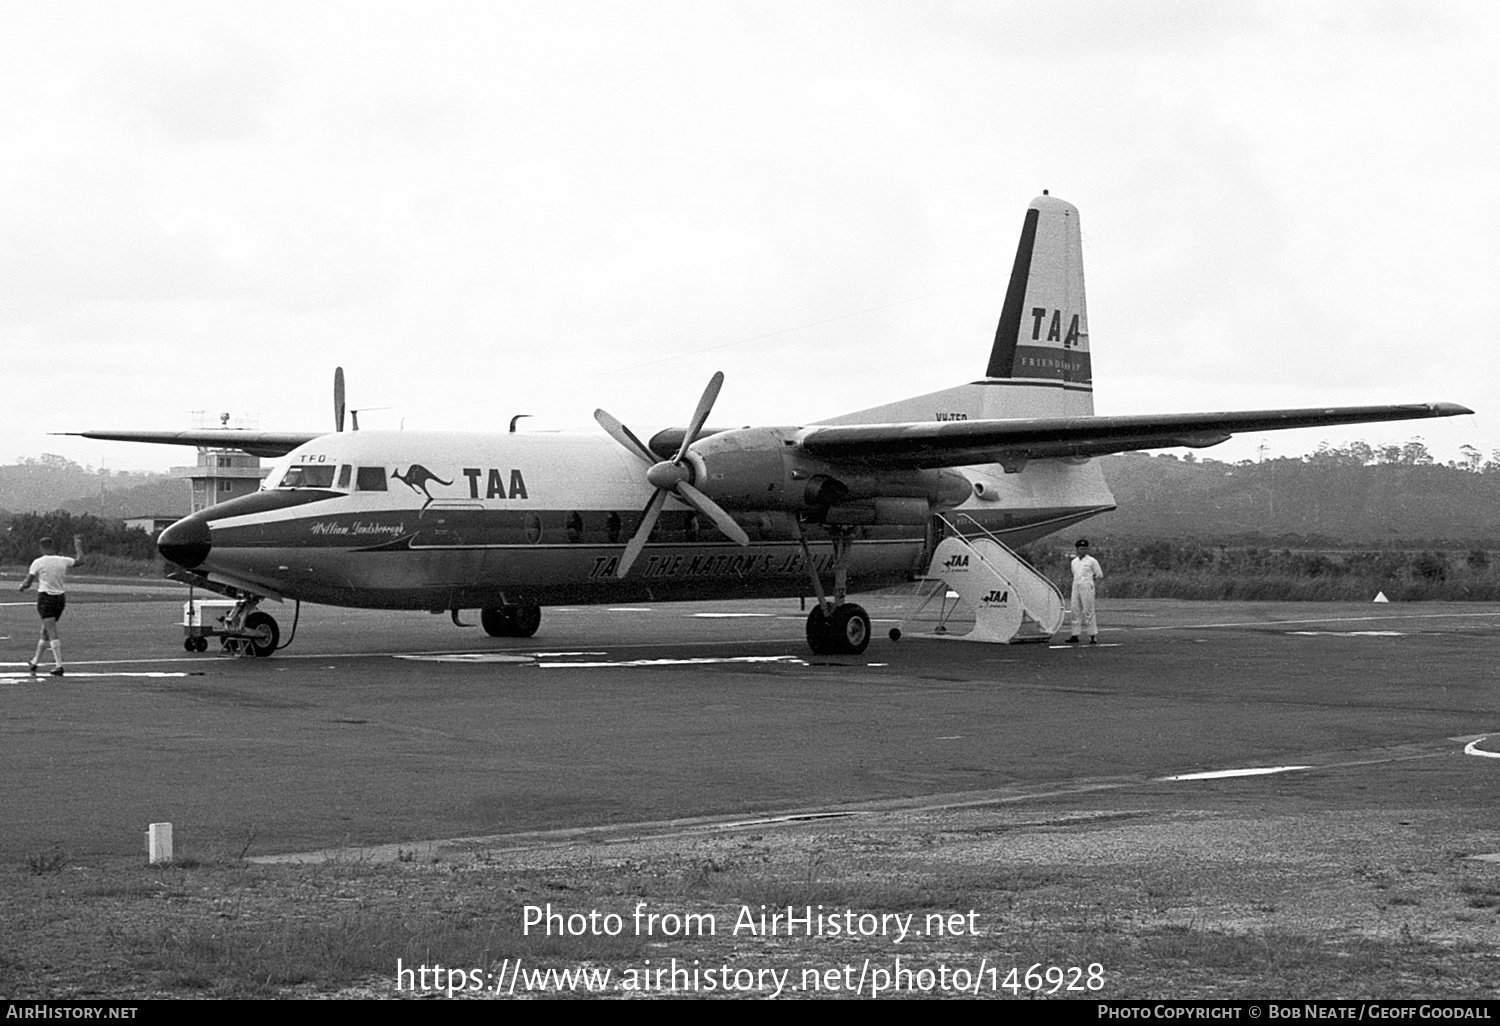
x: 1039, y: 364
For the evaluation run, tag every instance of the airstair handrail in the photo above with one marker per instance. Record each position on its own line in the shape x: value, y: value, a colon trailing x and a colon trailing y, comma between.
x: 1004, y: 547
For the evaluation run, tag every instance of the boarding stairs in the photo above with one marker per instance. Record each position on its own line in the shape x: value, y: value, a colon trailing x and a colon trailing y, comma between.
x: 973, y: 573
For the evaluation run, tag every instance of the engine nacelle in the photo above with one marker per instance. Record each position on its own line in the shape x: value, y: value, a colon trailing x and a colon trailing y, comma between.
x: 762, y: 469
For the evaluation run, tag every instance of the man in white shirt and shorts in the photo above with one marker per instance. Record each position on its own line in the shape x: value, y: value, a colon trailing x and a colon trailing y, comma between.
x: 49, y: 573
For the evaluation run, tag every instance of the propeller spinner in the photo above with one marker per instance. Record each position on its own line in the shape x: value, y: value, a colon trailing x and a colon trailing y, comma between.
x: 671, y: 477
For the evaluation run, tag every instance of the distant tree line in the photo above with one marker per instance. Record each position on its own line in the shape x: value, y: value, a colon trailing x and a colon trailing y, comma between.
x: 1171, y: 568
x: 23, y: 532
x: 1412, y: 454
x: 52, y: 461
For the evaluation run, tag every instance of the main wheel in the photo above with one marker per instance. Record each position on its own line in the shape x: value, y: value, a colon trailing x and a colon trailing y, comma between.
x: 495, y: 621
x: 525, y: 620
x: 849, y: 629
x: 511, y: 621
x: 264, y: 634
x: 190, y: 644
x: 817, y: 630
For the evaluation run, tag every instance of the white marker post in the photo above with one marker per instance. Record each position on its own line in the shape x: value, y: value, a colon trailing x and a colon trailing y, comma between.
x: 159, y: 843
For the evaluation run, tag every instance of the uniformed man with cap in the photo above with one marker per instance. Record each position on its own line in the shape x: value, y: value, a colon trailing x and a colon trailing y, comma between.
x: 1086, y: 573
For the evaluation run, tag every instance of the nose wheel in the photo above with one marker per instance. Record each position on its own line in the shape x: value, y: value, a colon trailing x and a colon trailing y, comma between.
x: 261, y: 634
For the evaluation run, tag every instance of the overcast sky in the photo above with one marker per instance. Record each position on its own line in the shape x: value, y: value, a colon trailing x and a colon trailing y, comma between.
x: 482, y: 209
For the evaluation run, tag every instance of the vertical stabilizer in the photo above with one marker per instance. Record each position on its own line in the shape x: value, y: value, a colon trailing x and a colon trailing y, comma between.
x: 1039, y: 362
x: 1044, y: 324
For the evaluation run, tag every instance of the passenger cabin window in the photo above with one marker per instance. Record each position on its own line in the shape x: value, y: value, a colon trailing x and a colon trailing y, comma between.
x: 344, y: 473
x: 308, y: 477
x: 369, y: 479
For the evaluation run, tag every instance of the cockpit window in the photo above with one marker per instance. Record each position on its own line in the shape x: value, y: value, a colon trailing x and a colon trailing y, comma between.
x: 307, y: 477
x: 344, y: 475
x: 370, y: 479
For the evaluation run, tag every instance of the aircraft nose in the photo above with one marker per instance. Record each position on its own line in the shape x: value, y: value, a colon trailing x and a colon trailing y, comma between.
x: 186, y: 542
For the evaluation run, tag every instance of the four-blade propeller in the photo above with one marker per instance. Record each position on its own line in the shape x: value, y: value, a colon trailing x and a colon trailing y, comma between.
x: 671, y: 477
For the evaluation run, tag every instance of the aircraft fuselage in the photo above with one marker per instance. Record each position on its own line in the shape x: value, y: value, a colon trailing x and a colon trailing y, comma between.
x: 404, y: 520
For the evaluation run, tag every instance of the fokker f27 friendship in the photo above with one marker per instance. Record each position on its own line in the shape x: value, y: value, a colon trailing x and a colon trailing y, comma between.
x: 509, y: 523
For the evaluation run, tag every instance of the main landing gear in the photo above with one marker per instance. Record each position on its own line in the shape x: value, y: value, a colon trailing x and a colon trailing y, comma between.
x: 835, y: 627
x: 511, y: 621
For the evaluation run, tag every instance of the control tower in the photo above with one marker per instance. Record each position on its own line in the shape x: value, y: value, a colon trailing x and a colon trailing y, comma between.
x: 221, y: 473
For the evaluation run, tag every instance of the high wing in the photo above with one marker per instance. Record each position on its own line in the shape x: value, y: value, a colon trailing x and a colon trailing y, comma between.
x: 967, y: 442
x: 267, y: 444
x: 256, y: 443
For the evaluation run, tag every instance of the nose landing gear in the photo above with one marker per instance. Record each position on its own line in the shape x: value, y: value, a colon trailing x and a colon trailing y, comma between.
x: 241, y: 628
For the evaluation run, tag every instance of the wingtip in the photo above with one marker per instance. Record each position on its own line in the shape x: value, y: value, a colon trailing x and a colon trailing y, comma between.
x: 1449, y: 410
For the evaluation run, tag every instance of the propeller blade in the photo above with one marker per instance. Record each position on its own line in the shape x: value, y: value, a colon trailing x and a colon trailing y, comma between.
x: 622, y: 434
x: 705, y: 406
x: 668, y: 477
x: 338, y: 398
x: 711, y: 509
x: 642, y: 534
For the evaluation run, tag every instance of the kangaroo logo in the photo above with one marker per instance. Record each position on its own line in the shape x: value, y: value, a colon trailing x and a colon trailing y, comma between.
x: 416, y: 478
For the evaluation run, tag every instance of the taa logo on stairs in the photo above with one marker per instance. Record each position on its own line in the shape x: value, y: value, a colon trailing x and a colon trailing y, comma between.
x: 996, y: 598
x: 956, y: 562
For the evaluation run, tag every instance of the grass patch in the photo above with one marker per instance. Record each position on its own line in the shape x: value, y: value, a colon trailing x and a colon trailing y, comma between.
x: 233, y: 959
x: 1222, y: 930
x: 48, y: 861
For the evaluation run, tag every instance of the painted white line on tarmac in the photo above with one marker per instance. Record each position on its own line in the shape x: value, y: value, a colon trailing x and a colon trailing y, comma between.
x: 467, y: 657
x: 1472, y: 748
x: 45, y: 675
x: 781, y: 659
x: 1258, y: 771
x: 1348, y: 634
x: 731, y: 616
x: 220, y: 660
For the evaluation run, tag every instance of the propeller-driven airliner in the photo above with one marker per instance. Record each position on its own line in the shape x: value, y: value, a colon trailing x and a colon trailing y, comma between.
x: 510, y: 523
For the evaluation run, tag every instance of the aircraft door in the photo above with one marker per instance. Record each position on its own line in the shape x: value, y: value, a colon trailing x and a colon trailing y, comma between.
x: 447, y: 524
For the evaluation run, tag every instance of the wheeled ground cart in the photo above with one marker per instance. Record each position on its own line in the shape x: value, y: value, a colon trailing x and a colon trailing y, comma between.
x: 241, y: 630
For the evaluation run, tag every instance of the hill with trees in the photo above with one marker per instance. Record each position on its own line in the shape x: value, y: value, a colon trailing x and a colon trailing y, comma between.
x: 51, y: 482
x: 1355, y: 495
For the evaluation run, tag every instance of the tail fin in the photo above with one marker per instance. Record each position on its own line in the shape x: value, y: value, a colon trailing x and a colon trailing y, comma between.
x: 1039, y: 364
x: 1044, y: 325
